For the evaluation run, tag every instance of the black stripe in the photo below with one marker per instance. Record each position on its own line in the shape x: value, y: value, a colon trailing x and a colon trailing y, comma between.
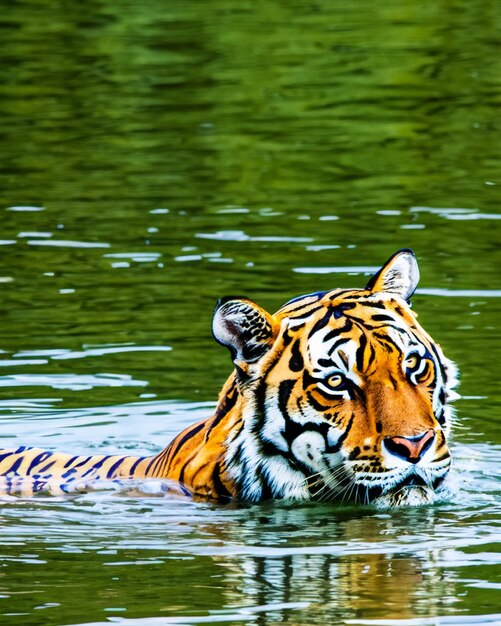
x: 338, y: 343
x: 184, y: 439
x: 16, y: 465
x: 348, y: 325
x: 324, y: 363
x: 363, y: 323
x: 347, y: 294
x: 340, y: 308
x: 268, y: 448
x: 115, y: 466
x: 284, y: 392
x: 357, y: 393
x: 134, y: 465
x: 307, y: 313
x: 386, y: 339
x: 316, y: 294
x: 83, y: 461
x: 96, y: 465
x: 440, y: 364
x: 183, y: 469
x: 321, y: 323
x: 266, y: 490
x: 43, y: 469
x: 4, y: 456
x: 361, y: 352
x: 445, y: 455
x: 309, y: 380
x: 393, y: 382
x: 260, y: 395
x: 199, y: 469
x: 296, y: 362
x: 287, y: 337
x: 380, y: 317
x: 40, y: 458
x: 147, y: 470
x: 374, y: 305
x: 372, y: 355
x: 314, y: 403
x: 294, y: 429
x: 337, y: 446
x: 222, y: 410
x: 222, y: 492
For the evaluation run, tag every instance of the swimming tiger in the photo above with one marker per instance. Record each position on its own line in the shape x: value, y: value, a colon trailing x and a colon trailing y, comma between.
x: 339, y: 396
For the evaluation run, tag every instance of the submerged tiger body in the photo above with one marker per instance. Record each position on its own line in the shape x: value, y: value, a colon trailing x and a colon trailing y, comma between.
x: 341, y: 395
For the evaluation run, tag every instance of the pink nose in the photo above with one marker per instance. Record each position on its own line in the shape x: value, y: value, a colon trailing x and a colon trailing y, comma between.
x: 410, y: 449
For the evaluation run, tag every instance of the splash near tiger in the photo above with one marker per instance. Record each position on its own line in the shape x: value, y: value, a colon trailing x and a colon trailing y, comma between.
x: 339, y: 396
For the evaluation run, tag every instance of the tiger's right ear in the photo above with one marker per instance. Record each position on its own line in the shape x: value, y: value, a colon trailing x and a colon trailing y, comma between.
x: 399, y: 275
x: 244, y: 327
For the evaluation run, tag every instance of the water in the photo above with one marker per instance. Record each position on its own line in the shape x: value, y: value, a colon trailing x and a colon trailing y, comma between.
x: 158, y: 156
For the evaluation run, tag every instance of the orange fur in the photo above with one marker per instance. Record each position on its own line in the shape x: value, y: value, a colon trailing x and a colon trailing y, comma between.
x: 338, y: 395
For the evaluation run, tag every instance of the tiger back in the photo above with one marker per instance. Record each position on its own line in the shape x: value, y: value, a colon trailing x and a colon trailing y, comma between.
x: 339, y: 396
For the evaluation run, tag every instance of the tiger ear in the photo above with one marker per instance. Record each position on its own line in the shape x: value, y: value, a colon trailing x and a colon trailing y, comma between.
x: 244, y: 327
x: 399, y: 275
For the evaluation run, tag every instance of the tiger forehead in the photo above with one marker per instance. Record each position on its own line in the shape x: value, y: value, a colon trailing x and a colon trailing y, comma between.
x: 363, y: 307
x: 350, y: 329
x: 355, y: 350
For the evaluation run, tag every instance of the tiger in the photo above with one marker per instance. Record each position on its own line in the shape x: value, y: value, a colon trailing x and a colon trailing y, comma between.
x: 340, y: 396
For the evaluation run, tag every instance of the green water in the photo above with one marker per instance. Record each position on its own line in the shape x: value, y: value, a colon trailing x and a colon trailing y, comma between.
x: 157, y: 156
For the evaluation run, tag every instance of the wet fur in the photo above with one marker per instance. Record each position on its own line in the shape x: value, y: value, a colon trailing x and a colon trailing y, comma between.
x: 279, y: 430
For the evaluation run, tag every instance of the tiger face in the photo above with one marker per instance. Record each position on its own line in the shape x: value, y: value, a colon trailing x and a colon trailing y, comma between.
x: 343, y: 395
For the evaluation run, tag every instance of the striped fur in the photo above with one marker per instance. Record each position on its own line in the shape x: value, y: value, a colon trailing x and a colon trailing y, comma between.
x: 340, y: 395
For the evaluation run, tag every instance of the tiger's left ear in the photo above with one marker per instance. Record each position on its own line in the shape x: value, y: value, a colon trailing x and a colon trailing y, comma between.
x: 399, y: 275
x: 244, y: 327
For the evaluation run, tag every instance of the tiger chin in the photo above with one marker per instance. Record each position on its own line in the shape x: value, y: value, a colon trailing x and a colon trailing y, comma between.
x: 340, y: 396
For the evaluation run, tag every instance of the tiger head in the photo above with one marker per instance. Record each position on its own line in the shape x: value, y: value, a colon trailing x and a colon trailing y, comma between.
x: 341, y: 395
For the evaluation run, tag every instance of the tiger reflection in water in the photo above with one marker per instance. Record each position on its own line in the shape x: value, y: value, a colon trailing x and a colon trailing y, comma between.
x: 345, y: 565
x: 340, y: 395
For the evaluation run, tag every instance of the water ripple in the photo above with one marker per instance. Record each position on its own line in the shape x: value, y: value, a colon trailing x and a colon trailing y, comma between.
x: 355, y: 269
x: 456, y: 213
x: 216, y: 617
x: 25, y: 209
x: 74, y: 382
x: 447, y: 620
x: 240, y: 235
x: 104, y: 350
x: 65, y: 243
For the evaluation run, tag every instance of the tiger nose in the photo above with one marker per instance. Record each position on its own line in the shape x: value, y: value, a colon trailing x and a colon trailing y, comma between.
x: 410, y: 449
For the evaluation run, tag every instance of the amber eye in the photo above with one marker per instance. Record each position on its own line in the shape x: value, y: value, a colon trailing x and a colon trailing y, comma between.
x: 411, y: 362
x: 335, y: 381
x: 418, y: 368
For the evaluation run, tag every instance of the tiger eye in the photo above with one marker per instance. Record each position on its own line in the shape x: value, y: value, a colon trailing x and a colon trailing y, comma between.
x: 335, y: 380
x: 411, y: 362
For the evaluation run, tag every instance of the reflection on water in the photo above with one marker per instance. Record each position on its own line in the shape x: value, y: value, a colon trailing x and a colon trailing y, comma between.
x: 157, y: 157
